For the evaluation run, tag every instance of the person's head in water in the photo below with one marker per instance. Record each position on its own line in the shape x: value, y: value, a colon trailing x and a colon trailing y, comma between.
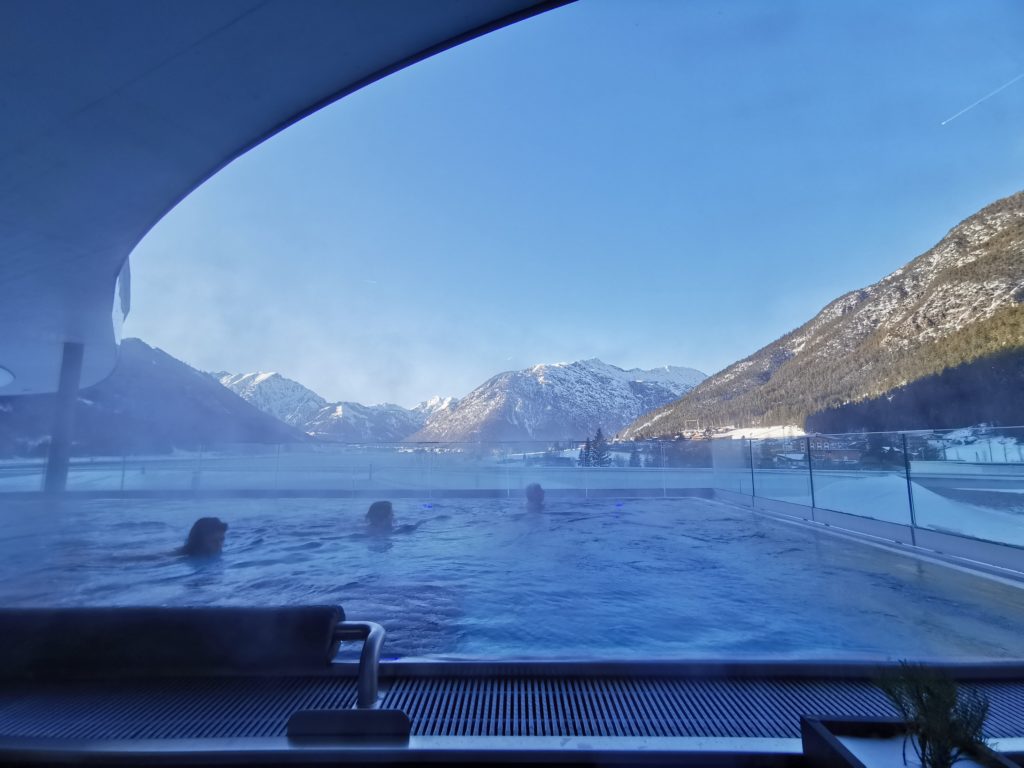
x: 380, y: 515
x: 206, y: 537
x: 534, y: 496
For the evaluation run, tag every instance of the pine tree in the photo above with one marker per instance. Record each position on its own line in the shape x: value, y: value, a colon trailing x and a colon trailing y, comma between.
x: 599, y: 453
x: 586, y: 455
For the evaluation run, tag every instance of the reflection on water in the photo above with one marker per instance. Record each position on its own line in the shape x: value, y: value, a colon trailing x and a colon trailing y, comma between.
x: 488, y: 578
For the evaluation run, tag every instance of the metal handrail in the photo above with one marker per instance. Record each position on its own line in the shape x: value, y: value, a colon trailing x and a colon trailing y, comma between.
x: 372, y: 635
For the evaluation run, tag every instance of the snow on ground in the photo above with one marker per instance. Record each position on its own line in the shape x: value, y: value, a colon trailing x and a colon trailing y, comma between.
x: 999, y: 449
x: 761, y: 433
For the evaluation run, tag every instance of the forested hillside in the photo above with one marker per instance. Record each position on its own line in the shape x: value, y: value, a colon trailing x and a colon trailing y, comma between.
x: 959, y: 302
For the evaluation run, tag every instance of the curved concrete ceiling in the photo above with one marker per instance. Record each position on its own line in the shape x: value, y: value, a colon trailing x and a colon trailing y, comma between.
x: 111, y: 111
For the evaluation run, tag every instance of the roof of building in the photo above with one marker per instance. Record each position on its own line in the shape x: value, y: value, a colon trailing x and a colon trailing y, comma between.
x: 115, y: 110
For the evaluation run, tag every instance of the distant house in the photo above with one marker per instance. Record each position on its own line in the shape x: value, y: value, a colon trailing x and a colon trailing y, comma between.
x: 791, y: 459
x: 838, y: 456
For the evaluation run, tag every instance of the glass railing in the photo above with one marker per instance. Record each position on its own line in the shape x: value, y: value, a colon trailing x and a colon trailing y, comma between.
x: 969, y: 482
x: 781, y: 470
x: 861, y: 474
x: 654, y: 468
x: 966, y: 482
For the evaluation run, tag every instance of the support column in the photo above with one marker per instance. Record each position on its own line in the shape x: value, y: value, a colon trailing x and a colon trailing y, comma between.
x: 64, y: 418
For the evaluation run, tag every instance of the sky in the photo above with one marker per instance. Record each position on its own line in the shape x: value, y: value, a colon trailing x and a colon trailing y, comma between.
x: 650, y: 182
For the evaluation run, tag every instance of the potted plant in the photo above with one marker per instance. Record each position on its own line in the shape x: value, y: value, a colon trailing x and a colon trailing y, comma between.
x: 942, y: 723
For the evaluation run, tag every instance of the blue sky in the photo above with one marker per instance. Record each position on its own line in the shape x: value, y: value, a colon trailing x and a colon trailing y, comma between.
x: 646, y: 182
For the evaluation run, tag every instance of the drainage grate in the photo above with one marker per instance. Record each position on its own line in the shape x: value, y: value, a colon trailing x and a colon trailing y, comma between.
x: 462, y: 706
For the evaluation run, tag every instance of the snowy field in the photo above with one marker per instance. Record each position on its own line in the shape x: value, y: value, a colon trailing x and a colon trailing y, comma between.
x: 486, y: 578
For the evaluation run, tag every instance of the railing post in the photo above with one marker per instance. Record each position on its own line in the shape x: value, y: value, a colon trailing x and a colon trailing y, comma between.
x: 910, y: 490
x: 664, y: 468
x: 124, y: 462
x: 810, y: 475
x: 753, y: 486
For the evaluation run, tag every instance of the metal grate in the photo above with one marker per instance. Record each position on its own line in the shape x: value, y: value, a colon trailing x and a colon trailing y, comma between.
x: 461, y: 706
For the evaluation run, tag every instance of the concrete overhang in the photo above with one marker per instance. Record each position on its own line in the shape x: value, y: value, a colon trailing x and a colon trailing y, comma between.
x: 112, y: 111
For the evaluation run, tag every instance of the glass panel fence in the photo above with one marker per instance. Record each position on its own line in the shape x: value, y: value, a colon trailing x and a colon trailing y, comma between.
x: 781, y: 470
x: 21, y: 473
x: 645, y: 468
x: 731, y: 460
x: 970, y: 482
x: 861, y: 474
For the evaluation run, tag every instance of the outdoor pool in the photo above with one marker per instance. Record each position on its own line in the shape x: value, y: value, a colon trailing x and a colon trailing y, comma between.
x: 486, y: 578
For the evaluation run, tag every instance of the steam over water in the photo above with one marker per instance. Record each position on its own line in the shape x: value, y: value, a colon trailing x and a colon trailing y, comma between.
x: 485, y: 578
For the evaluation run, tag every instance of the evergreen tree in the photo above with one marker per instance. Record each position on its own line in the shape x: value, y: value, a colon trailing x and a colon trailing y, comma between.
x: 599, y: 453
x: 586, y: 455
x: 634, y: 457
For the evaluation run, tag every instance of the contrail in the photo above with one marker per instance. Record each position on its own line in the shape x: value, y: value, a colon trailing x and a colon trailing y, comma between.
x: 983, y: 98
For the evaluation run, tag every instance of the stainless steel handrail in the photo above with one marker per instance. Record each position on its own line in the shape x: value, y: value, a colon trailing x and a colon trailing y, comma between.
x: 372, y: 635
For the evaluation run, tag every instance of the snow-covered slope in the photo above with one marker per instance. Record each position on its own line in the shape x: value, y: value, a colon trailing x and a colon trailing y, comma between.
x: 558, y: 401
x: 272, y: 393
x: 356, y: 423
x: 436, y: 404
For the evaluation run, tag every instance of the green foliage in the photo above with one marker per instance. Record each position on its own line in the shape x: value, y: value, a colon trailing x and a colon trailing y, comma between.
x: 600, y: 456
x: 586, y: 455
x: 944, y: 724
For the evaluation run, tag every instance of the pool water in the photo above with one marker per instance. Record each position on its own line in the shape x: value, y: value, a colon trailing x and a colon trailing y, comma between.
x: 486, y: 578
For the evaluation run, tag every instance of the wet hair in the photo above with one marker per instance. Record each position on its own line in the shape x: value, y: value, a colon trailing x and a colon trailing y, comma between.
x: 198, y: 541
x: 534, y: 495
x: 380, y: 514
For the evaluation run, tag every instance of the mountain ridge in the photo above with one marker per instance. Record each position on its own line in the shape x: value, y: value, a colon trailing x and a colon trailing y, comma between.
x: 957, y: 302
x: 557, y: 401
x: 342, y: 421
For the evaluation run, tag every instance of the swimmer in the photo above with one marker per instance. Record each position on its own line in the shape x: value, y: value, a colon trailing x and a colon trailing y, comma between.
x: 380, y: 518
x: 206, y: 538
x: 534, y: 497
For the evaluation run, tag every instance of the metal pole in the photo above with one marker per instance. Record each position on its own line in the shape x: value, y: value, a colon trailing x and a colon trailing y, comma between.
x: 753, y: 487
x: 59, y: 458
x: 124, y: 462
x: 910, y: 491
x: 664, y: 469
x: 810, y: 475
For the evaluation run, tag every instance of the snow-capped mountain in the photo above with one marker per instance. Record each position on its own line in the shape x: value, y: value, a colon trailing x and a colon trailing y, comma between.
x: 345, y: 422
x: 356, y: 423
x: 272, y: 393
x: 558, y: 401
x: 436, y: 404
x: 959, y: 302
